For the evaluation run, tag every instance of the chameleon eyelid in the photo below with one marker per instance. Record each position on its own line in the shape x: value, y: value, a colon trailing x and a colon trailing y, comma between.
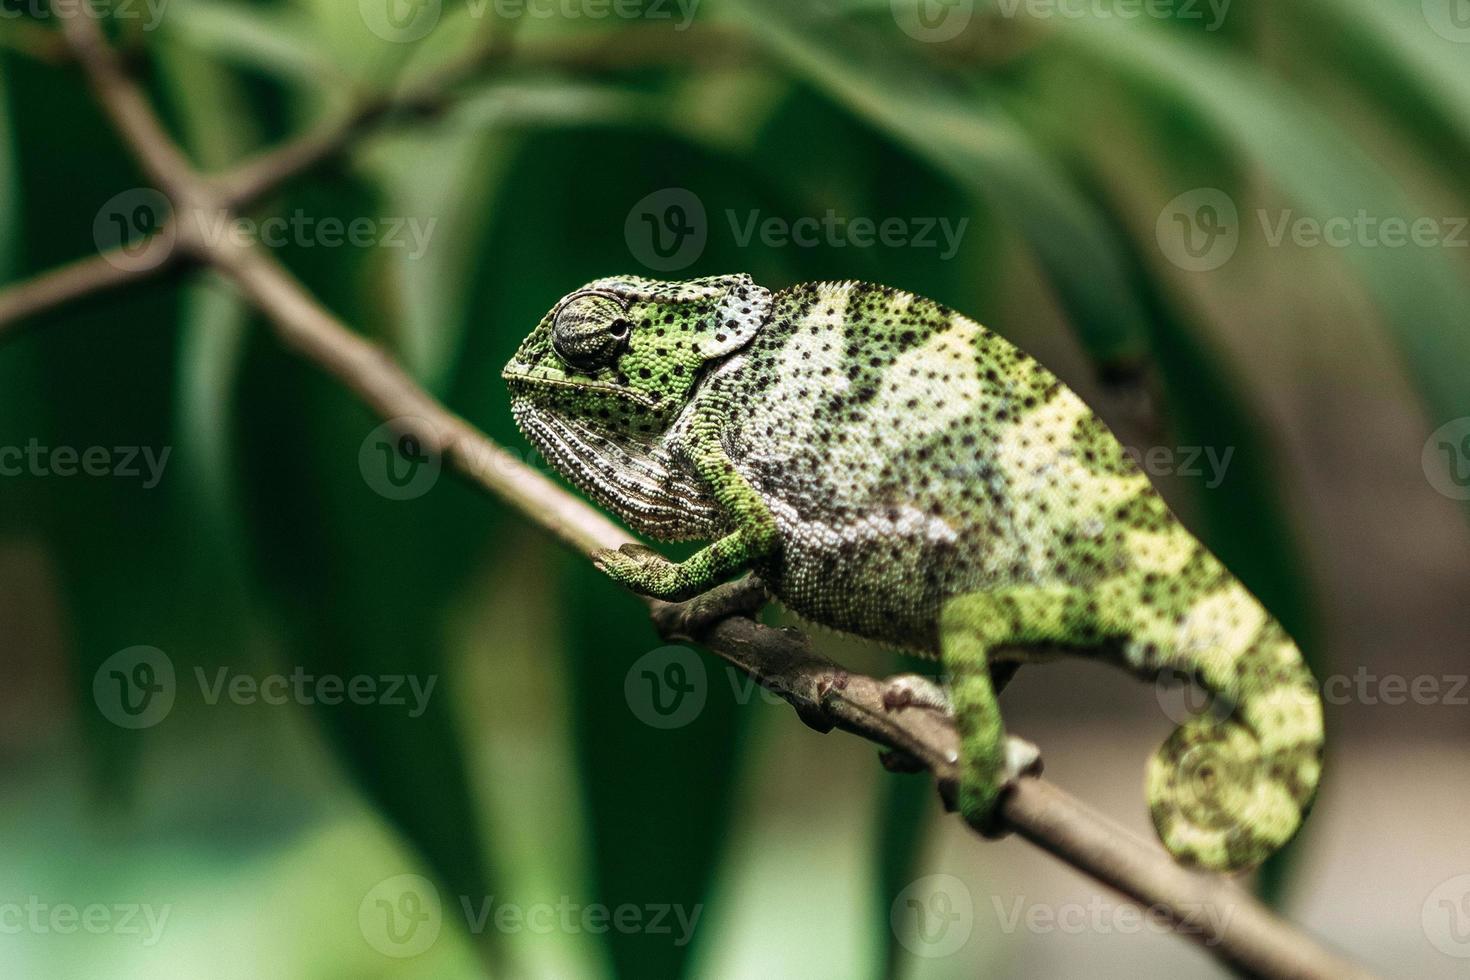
x: 603, y: 293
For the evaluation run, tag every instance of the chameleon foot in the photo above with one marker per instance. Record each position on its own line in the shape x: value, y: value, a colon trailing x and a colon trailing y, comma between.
x: 688, y: 620
x: 915, y: 691
x: 982, y: 807
x: 644, y: 571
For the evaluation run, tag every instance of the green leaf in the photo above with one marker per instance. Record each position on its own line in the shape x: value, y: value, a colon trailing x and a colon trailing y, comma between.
x: 971, y: 137
x: 278, y: 40
x: 1423, y: 296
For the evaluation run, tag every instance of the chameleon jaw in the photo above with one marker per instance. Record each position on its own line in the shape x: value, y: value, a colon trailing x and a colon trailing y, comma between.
x: 526, y: 379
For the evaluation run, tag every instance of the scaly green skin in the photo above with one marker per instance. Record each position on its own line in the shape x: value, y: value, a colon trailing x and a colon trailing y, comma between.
x: 894, y: 470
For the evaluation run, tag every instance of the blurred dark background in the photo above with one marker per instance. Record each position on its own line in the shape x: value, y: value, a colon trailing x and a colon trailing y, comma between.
x: 275, y: 708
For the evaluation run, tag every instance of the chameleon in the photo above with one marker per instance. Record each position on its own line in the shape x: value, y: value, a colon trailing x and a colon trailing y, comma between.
x: 892, y: 469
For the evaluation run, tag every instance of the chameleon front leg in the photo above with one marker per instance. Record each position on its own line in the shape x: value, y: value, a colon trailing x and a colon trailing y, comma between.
x: 755, y: 537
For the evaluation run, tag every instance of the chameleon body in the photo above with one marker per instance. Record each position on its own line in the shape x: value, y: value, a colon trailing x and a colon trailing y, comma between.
x: 894, y: 470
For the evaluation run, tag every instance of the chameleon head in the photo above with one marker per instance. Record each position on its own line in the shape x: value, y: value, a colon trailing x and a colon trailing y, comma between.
x: 623, y: 353
x: 599, y: 385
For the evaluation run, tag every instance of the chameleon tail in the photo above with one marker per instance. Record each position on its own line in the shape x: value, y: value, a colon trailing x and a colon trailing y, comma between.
x: 1225, y: 794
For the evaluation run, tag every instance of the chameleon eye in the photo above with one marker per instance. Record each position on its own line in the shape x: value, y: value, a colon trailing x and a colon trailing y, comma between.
x: 589, y: 331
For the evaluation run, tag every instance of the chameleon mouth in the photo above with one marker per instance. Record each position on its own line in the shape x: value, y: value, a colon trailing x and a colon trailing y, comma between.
x: 522, y: 380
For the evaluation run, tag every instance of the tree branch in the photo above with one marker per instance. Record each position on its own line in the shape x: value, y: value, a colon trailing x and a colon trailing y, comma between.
x: 823, y: 693
x: 125, y: 103
x: 83, y: 278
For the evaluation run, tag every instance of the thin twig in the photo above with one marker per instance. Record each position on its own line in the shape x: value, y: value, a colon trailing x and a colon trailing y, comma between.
x: 824, y: 694
x: 258, y: 177
x: 34, y: 41
x: 125, y: 103
x: 85, y: 277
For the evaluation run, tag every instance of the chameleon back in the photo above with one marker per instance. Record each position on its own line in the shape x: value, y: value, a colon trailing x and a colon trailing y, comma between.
x: 929, y: 478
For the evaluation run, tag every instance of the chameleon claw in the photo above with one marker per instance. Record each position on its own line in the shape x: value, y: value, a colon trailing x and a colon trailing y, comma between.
x: 1022, y: 759
x: 914, y: 691
x: 835, y: 681
x: 688, y: 620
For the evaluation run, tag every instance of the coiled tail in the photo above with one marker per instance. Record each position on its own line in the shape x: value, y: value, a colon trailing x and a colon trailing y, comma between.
x: 1226, y: 793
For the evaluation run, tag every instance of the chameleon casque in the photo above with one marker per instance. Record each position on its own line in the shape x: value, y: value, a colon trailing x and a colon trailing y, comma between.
x: 894, y: 470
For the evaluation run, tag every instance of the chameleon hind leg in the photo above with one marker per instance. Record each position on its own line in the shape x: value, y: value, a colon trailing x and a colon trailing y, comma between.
x: 974, y: 629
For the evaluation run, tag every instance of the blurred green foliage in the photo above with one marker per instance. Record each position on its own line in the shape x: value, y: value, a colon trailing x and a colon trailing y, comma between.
x: 1061, y: 143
